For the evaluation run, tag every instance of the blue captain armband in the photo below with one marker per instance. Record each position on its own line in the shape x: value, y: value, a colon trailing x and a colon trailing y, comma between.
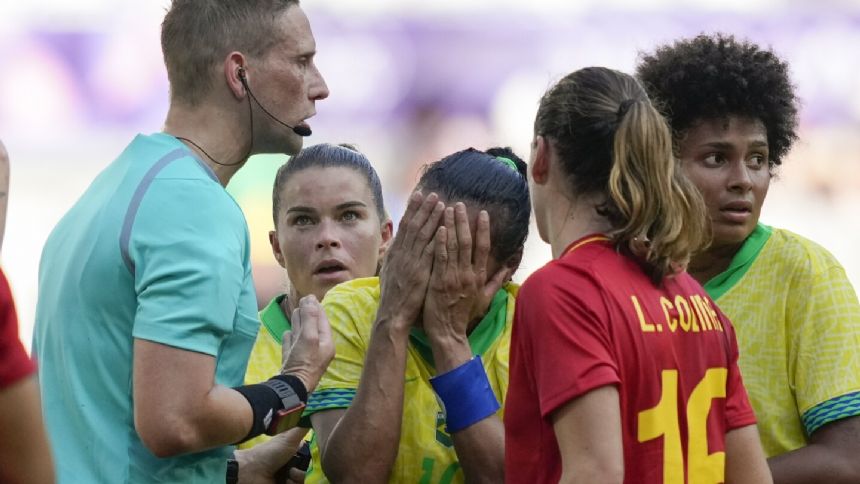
x: 466, y: 395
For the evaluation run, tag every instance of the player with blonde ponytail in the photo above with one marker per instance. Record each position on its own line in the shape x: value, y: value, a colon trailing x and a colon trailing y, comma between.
x: 622, y: 369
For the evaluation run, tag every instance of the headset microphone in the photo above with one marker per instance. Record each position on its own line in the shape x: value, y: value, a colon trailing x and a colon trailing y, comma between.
x: 299, y: 130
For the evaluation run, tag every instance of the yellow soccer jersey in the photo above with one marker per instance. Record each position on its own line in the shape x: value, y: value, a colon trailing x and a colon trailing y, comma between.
x: 426, y: 454
x: 265, y: 358
x: 797, y: 321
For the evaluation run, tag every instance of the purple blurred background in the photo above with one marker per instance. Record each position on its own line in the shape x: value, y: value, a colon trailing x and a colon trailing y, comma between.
x: 409, y: 82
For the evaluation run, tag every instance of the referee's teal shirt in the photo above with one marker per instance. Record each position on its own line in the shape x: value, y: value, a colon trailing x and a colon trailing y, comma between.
x: 155, y: 249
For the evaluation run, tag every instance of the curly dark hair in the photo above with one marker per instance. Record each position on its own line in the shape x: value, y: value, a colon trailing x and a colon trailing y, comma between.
x: 716, y: 76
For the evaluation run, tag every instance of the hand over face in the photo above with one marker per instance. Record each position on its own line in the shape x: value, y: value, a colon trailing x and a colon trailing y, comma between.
x: 406, y: 270
x: 308, y: 348
x: 460, y: 291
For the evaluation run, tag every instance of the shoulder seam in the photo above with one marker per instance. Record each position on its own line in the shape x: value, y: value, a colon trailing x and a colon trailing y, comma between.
x: 137, y: 198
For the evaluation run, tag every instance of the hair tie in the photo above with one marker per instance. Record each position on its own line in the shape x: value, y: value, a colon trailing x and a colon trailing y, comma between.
x: 624, y: 107
x: 509, y: 162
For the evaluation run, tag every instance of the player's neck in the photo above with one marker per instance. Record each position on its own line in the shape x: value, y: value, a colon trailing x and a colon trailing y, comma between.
x: 571, y: 219
x: 290, y: 301
x: 712, y: 262
x: 213, y: 134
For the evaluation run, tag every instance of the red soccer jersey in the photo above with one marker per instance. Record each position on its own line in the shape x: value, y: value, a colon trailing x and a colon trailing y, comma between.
x: 14, y: 362
x: 593, y: 318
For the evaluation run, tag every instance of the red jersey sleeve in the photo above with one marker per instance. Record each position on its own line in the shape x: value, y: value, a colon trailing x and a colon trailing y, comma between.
x: 565, y: 319
x: 739, y: 411
x: 14, y: 362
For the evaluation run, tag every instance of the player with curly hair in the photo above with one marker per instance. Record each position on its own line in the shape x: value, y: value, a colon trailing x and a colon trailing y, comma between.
x: 622, y: 370
x: 733, y: 111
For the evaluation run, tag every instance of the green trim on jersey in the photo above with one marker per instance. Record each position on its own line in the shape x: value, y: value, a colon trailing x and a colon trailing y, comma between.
x: 831, y: 411
x: 741, y: 262
x: 481, y: 337
x: 327, y: 399
x: 480, y: 340
x: 274, y: 319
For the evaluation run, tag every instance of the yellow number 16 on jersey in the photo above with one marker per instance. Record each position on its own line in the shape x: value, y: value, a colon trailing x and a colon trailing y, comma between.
x: 662, y: 420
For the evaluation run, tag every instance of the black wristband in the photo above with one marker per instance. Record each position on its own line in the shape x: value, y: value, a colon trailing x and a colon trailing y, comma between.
x: 232, y: 476
x: 265, y: 400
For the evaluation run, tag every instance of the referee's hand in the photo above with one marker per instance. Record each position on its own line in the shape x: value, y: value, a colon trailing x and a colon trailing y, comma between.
x: 308, y: 348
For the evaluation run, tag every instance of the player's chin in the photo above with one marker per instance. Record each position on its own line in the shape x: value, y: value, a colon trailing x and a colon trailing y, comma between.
x: 732, y: 234
x: 323, y: 286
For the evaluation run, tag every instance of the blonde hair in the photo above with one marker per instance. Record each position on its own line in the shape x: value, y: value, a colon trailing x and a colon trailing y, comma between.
x: 611, y: 140
x: 663, y: 217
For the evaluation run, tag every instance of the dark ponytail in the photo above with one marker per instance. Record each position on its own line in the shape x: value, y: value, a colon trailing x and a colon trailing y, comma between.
x: 611, y: 140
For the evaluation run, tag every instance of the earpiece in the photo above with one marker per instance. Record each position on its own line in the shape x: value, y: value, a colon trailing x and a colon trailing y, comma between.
x: 299, y: 130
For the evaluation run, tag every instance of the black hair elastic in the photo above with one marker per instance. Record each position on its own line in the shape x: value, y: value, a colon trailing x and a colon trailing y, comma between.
x: 624, y: 107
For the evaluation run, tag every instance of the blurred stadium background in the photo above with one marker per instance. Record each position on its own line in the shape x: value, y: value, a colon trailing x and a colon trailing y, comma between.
x: 410, y: 81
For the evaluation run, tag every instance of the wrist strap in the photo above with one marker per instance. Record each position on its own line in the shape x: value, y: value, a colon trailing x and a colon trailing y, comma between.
x: 290, y: 390
x: 270, y: 397
x: 232, y: 476
x: 466, y: 395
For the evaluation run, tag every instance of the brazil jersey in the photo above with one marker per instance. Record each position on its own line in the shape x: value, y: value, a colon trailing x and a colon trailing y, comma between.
x: 798, y: 326
x: 426, y: 453
x: 265, y: 358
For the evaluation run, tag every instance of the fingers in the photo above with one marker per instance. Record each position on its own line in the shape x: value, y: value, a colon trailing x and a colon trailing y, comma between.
x: 324, y: 333
x: 482, y: 245
x: 312, y: 346
x: 415, y: 202
x: 287, y: 341
x: 291, y: 337
x: 296, y: 322
x: 451, y: 238
x: 429, y: 229
x: 464, y: 237
x: 296, y: 475
x: 440, y: 249
x: 418, y: 227
x: 309, y: 314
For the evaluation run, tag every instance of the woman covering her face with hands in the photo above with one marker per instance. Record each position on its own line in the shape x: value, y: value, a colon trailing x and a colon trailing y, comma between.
x: 421, y: 371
